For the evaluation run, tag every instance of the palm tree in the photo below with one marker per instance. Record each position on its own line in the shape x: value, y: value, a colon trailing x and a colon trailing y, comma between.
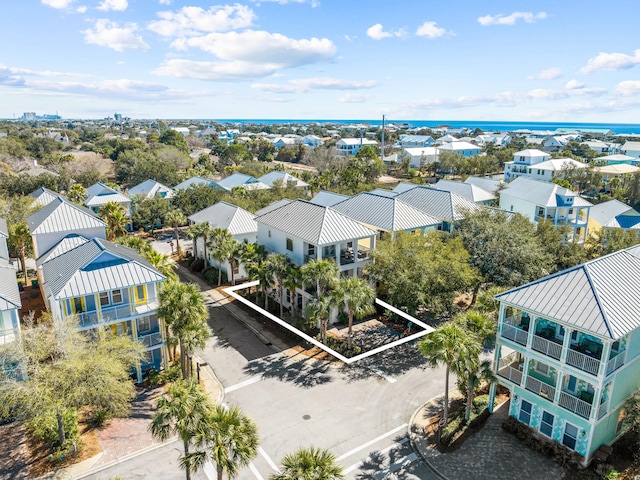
x: 200, y: 230
x: 116, y: 218
x: 324, y: 272
x: 229, y: 439
x: 161, y: 262
x: 278, y: 266
x: 137, y: 243
x: 183, y: 411
x: 219, y: 242
x: 318, y: 310
x: 358, y: 297
x: 250, y: 254
x: 472, y: 377
x: 479, y: 324
x: 176, y: 219
x: 309, y: 464
x: 260, y: 270
x: 183, y: 308
x: 233, y: 250
x: 293, y: 281
x: 449, y: 345
x: 20, y: 238
x: 77, y: 193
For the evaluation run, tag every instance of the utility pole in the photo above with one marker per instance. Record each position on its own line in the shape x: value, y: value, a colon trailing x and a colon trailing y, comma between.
x: 382, y: 149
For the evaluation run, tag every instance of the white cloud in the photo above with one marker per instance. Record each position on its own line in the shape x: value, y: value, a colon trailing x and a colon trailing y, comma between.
x: 118, y: 5
x: 354, y: 98
x: 262, y: 48
x: 430, y: 30
x: 500, y: 19
x: 628, y: 88
x: 377, y: 32
x: 313, y: 3
x: 165, y: 2
x: 548, y: 74
x: 611, y: 61
x: 305, y: 84
x: 195, y: 20
x: 574, y: 84
x: 106, y: 33
x: 81, y: 9
x: 221, y: 71
x: 60, y: 4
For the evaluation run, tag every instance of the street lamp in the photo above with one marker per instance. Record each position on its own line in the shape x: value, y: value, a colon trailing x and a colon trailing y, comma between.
x: 198, y: 365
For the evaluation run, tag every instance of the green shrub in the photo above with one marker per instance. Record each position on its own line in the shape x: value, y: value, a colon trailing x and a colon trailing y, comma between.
x: 45, y: 426
x: 197, y: 265
x: 211, y: 276
x: 341, y: 346
x: 100, y: 416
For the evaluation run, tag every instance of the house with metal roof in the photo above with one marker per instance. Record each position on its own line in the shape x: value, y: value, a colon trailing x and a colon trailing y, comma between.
x: 414, y: 141
x: 312, y: 141
x: 538, y: 165
x: 613, y: 214
x: 467, y: 190
x: 240, y: 180
x: 4, y: 235
x: 194, y: 182
x: 273, y: 206
x: 419, y: 156
x: 631, y: 149
x: 43, y: 196
x: 151, y: 189
x: 539, y: 201
x: 103, y: 284
x: 59, y: 218
x: 9, y: 295
x: 465, y: 149
x: 237, y: 221
x: 327, y: 199
x: 350, y: 146
x: 99, y: 194
x: 285, y: 178
x: 568, y: 349
x: 387, y: 215
x: 448, y: 207
x: 487, y: 184
x: 617, y: 159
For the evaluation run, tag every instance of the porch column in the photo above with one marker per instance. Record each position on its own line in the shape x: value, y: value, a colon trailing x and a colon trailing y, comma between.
x: 604, y: 358
x: 560, y: 381
x: 492, y: 396
x: 566, y: 341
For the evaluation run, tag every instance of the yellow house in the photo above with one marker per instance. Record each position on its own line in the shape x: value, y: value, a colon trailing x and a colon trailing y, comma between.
x: 613, y: 214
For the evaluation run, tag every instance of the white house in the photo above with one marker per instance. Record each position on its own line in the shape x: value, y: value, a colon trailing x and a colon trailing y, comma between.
x: 241, y: 180
x: 194, y: 182
x: 419, y: 156
x: 287, y: 179
x: 350, y: 146
x: 99, y: 194
x: 152, y: 189
x: 312, y: 141
x: 537, y: 165
x: 632, y: 149
x: 540, y: 201
x: 415, y: 141
x: 465, y: 149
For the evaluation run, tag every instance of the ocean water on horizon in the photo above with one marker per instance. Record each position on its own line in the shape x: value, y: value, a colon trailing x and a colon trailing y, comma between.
x: 617, y: 128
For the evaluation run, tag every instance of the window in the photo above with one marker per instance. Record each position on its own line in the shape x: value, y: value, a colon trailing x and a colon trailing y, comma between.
x: 570, y: 436
x: 141, y: 293
x: 269, y: 233
x: 116, y: 296
x: 144, y: 325
x: 571, y: 211
x: 311, y: 250
x: 546, y: 424
x: 104, y: 298
x: 288, y: 296
x: 77, y: 304
x: 525, y: 412
x: 542, y: 368
x: 329, y: 251
x: 290, y: 244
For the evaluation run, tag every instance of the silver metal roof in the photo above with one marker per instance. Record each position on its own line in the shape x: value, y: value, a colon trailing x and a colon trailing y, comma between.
x: 541, y: 193
x: 326, y: 199
x: 193, y: 182
x: 466, y: 190
x: 60, y: 215
x: 446, y: 206
x: 236, y: 180
x: 273, y: 206
x: 384, y: 192
x: 9, y: 294
x: 487, y: 184
x: 286, y: 178
x: 4, y: 230
x: 96, y: 266
x: 99, y: 194
x: 384, y: 213
x: 67, y: 243
x: 149, y: 188
x: 224, y: 215
x: 600, y: 296
x: 44, y: 196
x: 314, y: 224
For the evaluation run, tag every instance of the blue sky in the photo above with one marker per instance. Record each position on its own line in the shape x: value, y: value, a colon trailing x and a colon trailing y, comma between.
x: 322, y: 59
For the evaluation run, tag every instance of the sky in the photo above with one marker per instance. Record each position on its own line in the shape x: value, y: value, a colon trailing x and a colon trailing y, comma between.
x: 564, y: 61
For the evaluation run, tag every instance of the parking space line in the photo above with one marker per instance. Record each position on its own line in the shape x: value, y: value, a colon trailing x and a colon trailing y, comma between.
x: 240, y: 385
x: 271, y: 463
x: 385, y: 450
x: 255, y: 471
x: 408, y: 460
x: 371, y: 442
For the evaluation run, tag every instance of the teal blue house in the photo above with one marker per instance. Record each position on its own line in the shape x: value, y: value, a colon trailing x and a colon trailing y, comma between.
x: 568, y: 347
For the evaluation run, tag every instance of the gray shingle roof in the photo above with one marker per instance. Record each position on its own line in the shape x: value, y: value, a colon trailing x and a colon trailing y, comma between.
x: 384, y: 213
x: 96, y: 266
x: 446, y: 206
x: 600, y: 296
x: 224, y: 215
x: 9, y: 294
x: 314, y: 224
x: 61, y: 215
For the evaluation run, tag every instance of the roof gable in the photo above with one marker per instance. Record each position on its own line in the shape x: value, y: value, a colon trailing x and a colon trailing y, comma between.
x: 230, y: 217
x: 444, y: 205
x: 61, y: 215
x: 9, y: 293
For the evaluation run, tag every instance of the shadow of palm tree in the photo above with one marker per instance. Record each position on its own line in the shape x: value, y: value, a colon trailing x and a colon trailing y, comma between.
x: 386, y: 465
x: 304, y: 373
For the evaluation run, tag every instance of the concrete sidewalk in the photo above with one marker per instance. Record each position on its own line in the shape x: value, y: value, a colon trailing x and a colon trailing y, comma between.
x: 490, y: 454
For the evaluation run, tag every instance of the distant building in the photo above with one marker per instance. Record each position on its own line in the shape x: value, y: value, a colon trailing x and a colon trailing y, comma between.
x: 29, y: 116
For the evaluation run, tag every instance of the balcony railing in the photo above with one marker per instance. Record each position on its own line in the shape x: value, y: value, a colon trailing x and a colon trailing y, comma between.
x: 106, y: 314
x: 615, y: 363
x: 7, y: 336
x: 515, y: 334
x: 583, y: 362
x: 543, y: 389
x: 575, y: 405
x: 308, y: 258
x: 151, y: 339
x: 602, y: 410
x: 549, y: 348
x: 512, y: 374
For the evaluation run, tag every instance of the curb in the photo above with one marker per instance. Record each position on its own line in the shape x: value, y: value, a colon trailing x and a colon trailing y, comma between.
x: 208, y: 371
x: 414, y: 442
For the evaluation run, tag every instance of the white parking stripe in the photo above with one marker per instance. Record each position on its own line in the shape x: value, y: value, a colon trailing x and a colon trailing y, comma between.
x: 209, y: 471
x: 255, y: 471
x: 384, y: 450
x: 240, y: 385
x: 368, y: 444
x: 409, y: 459
x: 271, y: 463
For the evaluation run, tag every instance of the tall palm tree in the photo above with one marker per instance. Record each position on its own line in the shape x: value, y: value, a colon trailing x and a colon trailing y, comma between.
x: 358, y: 297
x: 137, y: 243
x: 233, y: 250
x: 472, y: 376
x: 250, y: 254
x: 322, y: 271
x: 479, y: 324
x: 450, y: 345
x: 116, y: 218
x: 176, y: 219
x: 309, y: 463
x: 261, y: 271
x: 77, y: 193
x: 200, y: 230
x: 292, y: 282
x: 183, y: 308
x: 229, y: 439
x: 20, y: 238
x: 318, y: 310
x: 279, y: 265
x: 183, y: 411
x: 219, y: 242
x: 161, y: 262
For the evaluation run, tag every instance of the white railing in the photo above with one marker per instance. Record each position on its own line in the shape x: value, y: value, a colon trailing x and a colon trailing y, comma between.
x: 508, y: 360
x: 7, y: 336
x: 615, y: 363
x: 151, y: 339
x: 106, y: 314
x: 549, y: 348
x: 575, y: 405
x: 512, y: 374
x: 602, y: 410
x: 583, y: 362
x: 543, y: 389
x: 514, y: 333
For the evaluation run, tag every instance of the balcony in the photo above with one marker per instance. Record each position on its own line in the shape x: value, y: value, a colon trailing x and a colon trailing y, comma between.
x: 588, y: 362
x: 510, y: 368
x: 575, y: 404
x: 308, y: 258
x: 551, y: 348
x: 541, y: 388
x: 515, y: 333
x: 107, y: 314
x: 151, y: 339
x: 348, y: 257
x: 7, y: 337
x: 602, y: 410
x: 615, y: 363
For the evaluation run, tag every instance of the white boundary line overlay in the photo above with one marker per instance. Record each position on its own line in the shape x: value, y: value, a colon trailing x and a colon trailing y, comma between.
x: 231, y: 291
